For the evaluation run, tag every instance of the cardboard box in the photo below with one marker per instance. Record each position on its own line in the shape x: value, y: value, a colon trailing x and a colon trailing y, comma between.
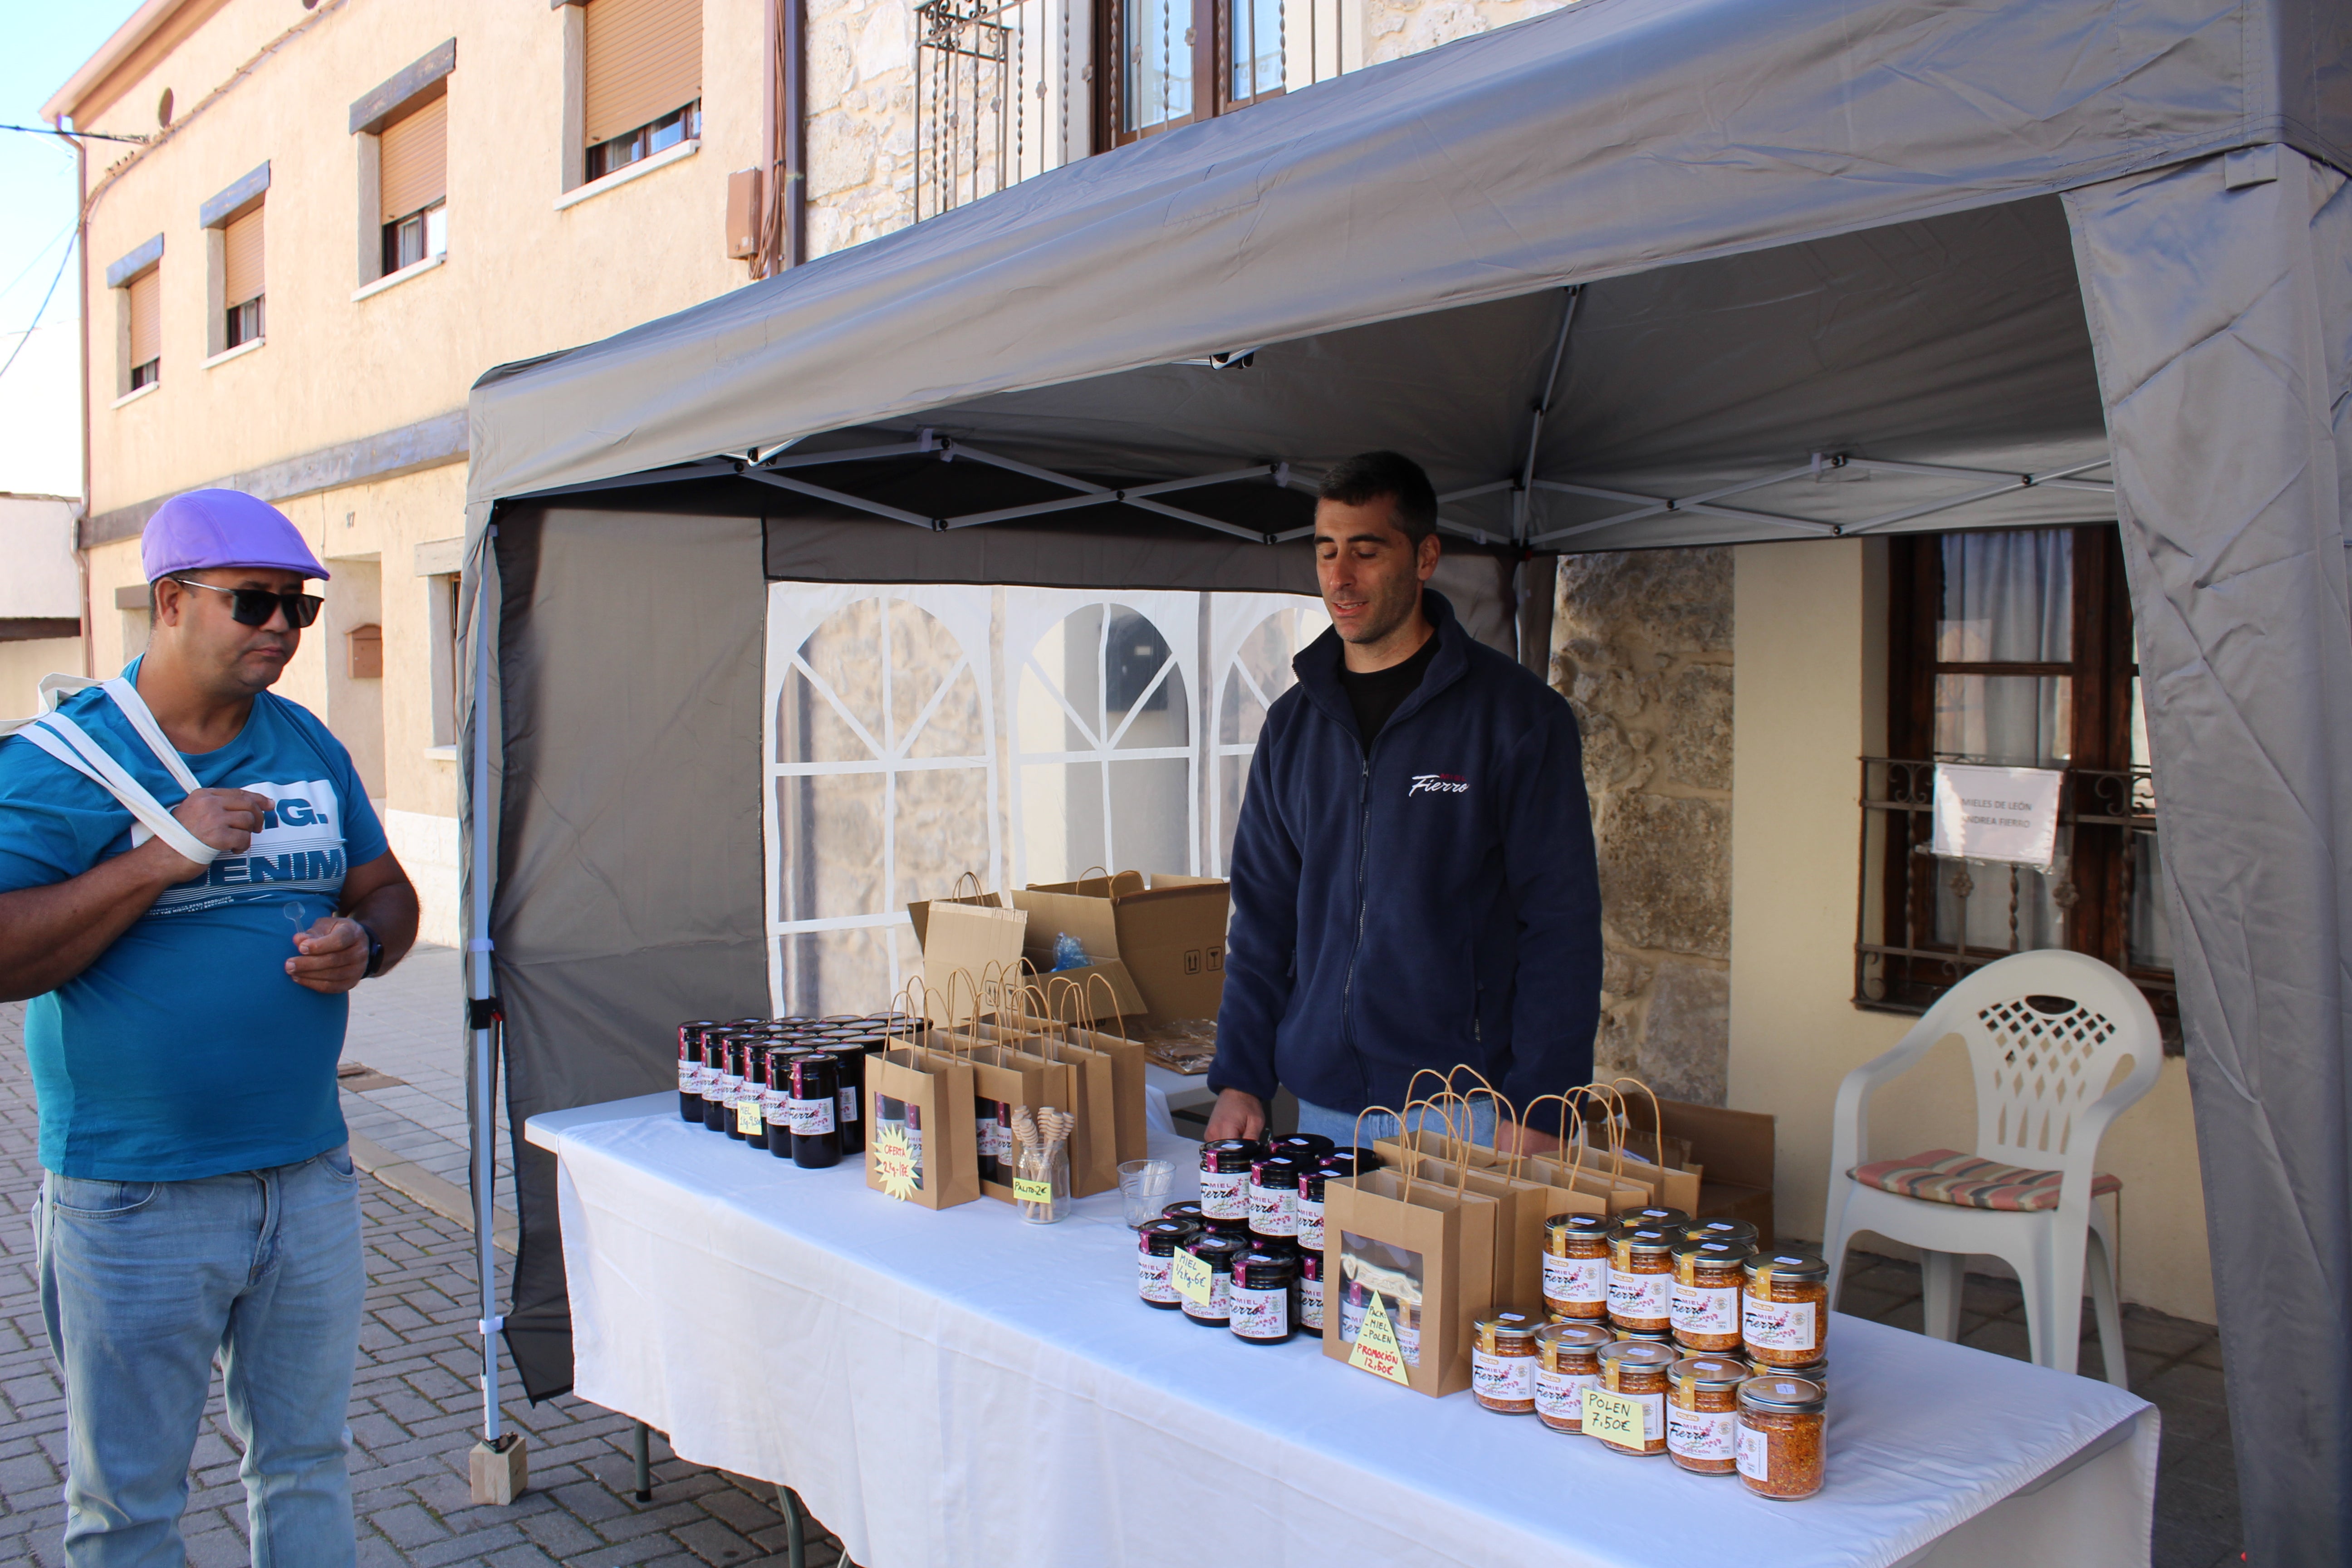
x: 1735, y: 1148
x: 1162, y: 946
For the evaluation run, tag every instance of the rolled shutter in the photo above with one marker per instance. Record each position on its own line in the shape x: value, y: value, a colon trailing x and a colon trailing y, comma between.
x: 241, y: 267
x: 412, y: 170
x: 146, y: 317
x: 645, y: 59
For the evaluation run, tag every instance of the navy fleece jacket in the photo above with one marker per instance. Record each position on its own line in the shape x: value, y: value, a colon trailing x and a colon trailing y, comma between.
x: 1434, y: 902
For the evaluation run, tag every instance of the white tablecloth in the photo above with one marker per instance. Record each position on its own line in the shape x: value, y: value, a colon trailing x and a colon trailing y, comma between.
x: 961, y: 1388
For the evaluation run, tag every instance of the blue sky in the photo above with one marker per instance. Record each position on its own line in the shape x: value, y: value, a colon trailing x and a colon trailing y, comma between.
x: 40, y: 427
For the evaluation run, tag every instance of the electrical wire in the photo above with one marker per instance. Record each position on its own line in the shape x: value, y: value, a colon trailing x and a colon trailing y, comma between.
x: 71, y: 135
x: 38, y: 314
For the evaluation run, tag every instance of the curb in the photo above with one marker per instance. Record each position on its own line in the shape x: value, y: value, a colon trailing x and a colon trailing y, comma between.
x: 446, y: 1198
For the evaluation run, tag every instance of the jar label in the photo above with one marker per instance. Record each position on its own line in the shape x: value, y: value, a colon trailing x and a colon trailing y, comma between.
x: 1310, y: 1304
x: 1640, y: 1296
x: 1755, y: 1449
x: 810, y: 1118
x: 690, y: 1078
x: 1778, y: 1325
x: 1310, y: 1224
x: 1222, y: 1196
x: 747, y: 1117
x: 1152, y: 1281
x: 1193, y: 1276
x: 1273, y: 1211
x: 1503, y: 1377
x: 1698, y: 1309
x: 772, y: 1108
x: 1259, y: 1314
x: 1629, y: 1420
x: 1582, y: 1279
x: 995, y: 1140
x: 1218, y: 1302
x: 1700, y: 1434
x: 1561, y: 1394
x: 848, y: 1106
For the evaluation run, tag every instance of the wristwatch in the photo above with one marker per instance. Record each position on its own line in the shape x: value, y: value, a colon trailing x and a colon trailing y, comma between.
x: 375, y: 950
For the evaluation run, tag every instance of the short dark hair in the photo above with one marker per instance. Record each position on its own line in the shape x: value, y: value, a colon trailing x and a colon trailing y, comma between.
x: 1368, y: 476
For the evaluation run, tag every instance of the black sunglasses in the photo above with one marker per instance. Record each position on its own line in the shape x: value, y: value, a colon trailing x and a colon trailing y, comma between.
x: 253, y: 606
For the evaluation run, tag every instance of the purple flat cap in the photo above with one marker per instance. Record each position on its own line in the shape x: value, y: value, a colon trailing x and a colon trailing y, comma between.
x: 222, y: 528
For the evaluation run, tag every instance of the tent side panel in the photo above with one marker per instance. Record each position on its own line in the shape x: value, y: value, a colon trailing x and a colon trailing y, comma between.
x: 629, y: 858
x: 2219, y: 311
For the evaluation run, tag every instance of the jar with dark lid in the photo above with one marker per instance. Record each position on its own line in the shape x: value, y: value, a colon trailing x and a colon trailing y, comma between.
x: 1503, y: 1361
x: 1155, y: 1246
x: 717, y: 1054
x: 813, y: 1104
x: 775, y: 1079
x: 1784, y: 1316
x: 1311, y: 1291
x: 1237, y: 1229
x: 1225, y: 1176
x: 1339, y: 1163
x: 1703, y: 1412
x: 1642, y: 1277
x: 1636, y: 1369
x: 1218, y: 1252
x: 1189, y: 1211
x: 1780, y: 1436
x: 1657, y: 1214
x: 1258, y: 1302
x: 1366, y: 1159
x: 1576, y: 1266
x: 1568, y: 1362
x: 852, y: 1053
x: 1274, y: 1195
x: 1305, y: 1147
x: 689, y: 1069
x: 1733, y: 1230
x: 1709, y: 1280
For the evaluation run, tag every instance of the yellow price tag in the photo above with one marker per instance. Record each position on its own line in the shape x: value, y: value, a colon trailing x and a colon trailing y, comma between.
x: 747, y: 1117
x: 1193, y: 1278
x: 1619, y: 1417
x: 1028, y: 1192
x: 1377, y: 1351
x: 893, y: 1163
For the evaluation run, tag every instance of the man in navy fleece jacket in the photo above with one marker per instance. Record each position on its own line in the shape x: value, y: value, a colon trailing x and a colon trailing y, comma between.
x: 1413, y: 881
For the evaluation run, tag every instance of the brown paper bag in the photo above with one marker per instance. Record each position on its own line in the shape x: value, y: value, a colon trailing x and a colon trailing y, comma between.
x: 919, y: 1114
x: 1002, y: 1072
x: 1074, y: 1005
x: 1674, y: 1185
x: 1412, y: 1265
x: 1570, y: 1169
x: 968, y: 939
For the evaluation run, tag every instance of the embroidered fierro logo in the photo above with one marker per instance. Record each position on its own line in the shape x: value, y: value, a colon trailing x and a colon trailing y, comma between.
x: 1439, y: 784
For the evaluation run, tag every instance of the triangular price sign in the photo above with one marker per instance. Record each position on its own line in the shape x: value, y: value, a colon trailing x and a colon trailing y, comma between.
x: 894, y: 1163
x: 1377, y: 1351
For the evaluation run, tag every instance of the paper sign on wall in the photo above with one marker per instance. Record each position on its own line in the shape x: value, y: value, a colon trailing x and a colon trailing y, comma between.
x: 1997, y: 814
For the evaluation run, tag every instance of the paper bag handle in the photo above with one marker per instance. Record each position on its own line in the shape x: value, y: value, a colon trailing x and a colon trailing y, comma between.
x: 1112, y: 992
x: 977, y: 891
x: 1502, y: 1106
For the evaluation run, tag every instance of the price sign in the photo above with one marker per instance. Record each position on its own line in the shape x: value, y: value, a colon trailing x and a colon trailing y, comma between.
x: 893, y: 1163
x: 747, y: 1117
x: 1620, y: 1418
x: 1028, y: 1192
x: 1377, y: 1351
x: 1194, y: 1279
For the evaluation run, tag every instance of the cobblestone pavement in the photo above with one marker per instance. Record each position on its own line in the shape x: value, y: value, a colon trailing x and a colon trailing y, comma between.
x: 410, y: 1025
x: 416, y: 1406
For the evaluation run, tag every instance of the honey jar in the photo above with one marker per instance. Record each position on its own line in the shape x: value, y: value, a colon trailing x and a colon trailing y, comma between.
x: 1576, y: 1267
x: 1637, y: 1371
x: 1784, y: 1317
x: 1709, y: 1279
x: 1778, y: 1442
x: 1703, y: 1413
x: 1642, y: 1276
x: 1568, y: 1362
x: 1503, y: 1361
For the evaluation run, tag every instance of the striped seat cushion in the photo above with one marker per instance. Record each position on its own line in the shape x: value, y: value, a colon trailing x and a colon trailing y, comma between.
x: 1946, y: 1176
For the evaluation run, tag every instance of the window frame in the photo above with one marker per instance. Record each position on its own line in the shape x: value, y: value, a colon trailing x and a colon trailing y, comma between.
x: 2105, y: 800
x: 1213, y: 53
x: 596, y: 163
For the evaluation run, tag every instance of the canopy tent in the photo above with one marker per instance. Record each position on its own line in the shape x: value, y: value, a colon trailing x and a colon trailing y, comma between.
x: 1635, y: 274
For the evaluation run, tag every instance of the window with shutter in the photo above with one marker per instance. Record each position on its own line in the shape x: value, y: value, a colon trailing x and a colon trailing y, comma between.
x: 643, y: 79
x: 241, y: 284
x: 146, y: 306
x: 413, y: 178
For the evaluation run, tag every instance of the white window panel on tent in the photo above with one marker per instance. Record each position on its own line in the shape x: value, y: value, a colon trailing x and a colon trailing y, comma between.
x: 1106, y: 755
x: 1253, y: 638
x: 882, y: 783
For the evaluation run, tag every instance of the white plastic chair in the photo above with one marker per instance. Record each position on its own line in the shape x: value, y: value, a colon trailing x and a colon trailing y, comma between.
x: 2037, y: 1074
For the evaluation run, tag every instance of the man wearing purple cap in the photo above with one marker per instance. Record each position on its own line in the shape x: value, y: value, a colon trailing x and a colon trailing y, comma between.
x: 191, y: 881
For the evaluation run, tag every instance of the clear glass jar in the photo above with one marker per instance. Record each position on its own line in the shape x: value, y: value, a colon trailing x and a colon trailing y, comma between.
x: 1784, y: 1317
x: 1568, y: 1362
x: 1703, y: 1413
x: 1503, y: 1361
x: 1576, y: 1267
x: 1635, y: 1369
x: 1780, y: 1440
x: 1041, y: 1184
x: 1709, y: 1280
x: 1642, y: 1277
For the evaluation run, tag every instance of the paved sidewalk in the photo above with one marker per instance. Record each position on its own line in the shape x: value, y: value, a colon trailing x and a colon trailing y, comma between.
x: 416, y: 1406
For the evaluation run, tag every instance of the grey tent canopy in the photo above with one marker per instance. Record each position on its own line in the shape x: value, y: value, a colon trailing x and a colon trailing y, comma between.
x: 1635, y: 274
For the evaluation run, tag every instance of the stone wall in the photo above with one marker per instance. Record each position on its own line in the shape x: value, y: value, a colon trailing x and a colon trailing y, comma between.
x: 1394, y: 28
x: 1642, y: 649
x: 861, y: 126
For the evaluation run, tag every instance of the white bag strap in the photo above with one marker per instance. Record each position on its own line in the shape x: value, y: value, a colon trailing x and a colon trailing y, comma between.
x: 135, y: 708
x: 66, y: 741
x: 53, y: 691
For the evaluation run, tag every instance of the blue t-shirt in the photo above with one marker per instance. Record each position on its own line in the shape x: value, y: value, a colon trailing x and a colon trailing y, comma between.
x: 186, y: 1050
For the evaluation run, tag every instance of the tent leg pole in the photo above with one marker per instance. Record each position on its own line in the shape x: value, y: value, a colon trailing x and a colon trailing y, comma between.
x: 640, y: 1441
x: 795, y: 1527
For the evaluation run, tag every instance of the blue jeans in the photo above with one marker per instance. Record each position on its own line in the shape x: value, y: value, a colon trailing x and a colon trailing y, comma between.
x: 1340, y: 1126
x: 141, y: 1283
